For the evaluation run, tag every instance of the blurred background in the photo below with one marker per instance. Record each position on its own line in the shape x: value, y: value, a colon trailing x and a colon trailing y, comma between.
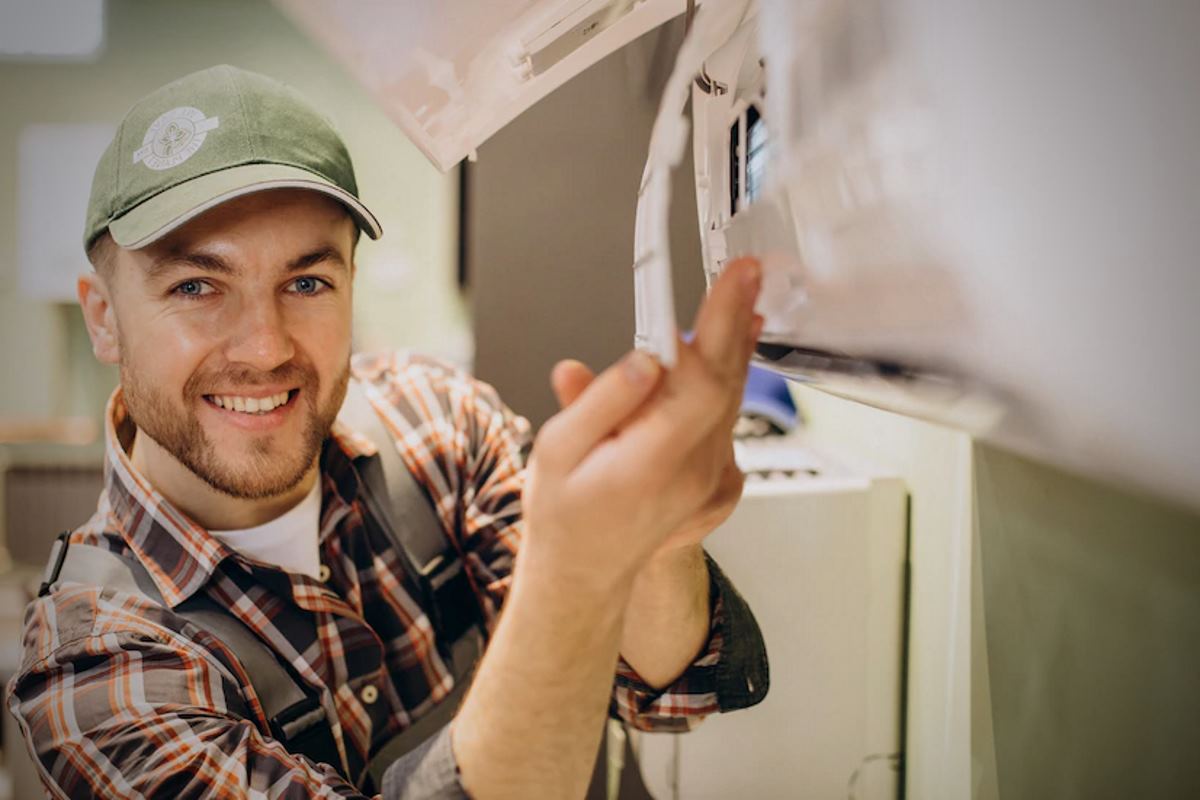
x: 1051, y: 623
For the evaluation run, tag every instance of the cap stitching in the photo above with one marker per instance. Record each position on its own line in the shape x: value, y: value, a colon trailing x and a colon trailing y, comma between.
x: 118, y: 157
x: 241, y: 101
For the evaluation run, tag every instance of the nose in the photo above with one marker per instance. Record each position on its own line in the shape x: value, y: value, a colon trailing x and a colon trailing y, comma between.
x: 259, y: 337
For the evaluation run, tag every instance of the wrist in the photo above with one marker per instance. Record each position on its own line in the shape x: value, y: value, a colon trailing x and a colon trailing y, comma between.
x: 670, y: 562
x: 670, y: 576
x: 668, y: 621
x: 573, y: 585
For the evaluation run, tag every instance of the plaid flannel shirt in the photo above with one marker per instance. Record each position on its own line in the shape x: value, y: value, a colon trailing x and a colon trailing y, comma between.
x: 120, y: 697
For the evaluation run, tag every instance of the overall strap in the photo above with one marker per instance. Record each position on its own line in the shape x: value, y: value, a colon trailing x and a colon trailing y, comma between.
x: 404, y: 511
x: 296, y: 716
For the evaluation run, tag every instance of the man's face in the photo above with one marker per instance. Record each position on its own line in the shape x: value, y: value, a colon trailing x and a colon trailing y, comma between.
x: 234, y: 338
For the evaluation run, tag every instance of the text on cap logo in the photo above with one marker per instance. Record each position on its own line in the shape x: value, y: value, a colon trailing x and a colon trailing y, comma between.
x: 174, y: 137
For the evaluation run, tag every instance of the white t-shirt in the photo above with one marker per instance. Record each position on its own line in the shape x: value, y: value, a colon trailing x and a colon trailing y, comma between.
x: 289, y: 541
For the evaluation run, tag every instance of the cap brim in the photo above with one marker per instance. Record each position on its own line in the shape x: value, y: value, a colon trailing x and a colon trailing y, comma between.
x: 152, y: 219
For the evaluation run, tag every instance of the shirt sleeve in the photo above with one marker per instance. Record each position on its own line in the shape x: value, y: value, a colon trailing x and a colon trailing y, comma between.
x: 430, y: 772
x: 730, y: 673
x: 125, y: 709
x: 496, y: 443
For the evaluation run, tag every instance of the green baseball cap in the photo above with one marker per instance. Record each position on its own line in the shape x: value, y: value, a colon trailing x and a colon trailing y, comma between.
x: 207, y: 138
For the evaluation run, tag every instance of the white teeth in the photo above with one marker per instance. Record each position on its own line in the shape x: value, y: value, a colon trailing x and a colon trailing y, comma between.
x: 250, y: 405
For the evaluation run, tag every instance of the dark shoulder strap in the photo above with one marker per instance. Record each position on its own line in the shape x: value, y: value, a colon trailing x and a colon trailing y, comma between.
x: 404, y: 511
x: 296, y: 717
x: 405, y: 503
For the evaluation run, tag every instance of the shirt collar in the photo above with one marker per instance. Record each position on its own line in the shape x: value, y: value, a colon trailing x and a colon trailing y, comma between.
x: 179, y: 554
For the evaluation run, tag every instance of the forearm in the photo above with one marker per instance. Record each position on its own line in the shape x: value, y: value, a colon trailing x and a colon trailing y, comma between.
x: 531, y: 724
x: 667, y: 622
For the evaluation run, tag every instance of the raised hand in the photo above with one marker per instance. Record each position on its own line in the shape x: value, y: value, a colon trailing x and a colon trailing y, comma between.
x: 640, y: 461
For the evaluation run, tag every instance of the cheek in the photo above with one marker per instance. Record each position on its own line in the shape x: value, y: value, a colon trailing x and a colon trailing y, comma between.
x: 164, y: 349
x: 324, y: 338
x: 329, y: 356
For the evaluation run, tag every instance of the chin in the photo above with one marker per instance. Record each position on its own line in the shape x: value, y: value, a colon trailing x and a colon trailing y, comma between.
x: 250, y: 481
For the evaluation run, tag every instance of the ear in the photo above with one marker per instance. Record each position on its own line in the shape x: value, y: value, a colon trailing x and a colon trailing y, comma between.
x: 99, y: 316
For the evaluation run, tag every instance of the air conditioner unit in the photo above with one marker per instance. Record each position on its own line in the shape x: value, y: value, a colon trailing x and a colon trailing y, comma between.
x: 980, y: 214
x: 819, y: 551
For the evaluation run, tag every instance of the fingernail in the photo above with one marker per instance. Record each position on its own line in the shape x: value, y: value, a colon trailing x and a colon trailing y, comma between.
x: 640, y: 368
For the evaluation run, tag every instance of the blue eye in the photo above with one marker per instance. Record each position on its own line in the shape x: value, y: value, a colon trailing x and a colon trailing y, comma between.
x: 308, y: 285
x: 193, y: 288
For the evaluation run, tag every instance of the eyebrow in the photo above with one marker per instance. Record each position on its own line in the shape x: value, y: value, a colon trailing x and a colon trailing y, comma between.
x: 210, y: 262
x: 328, y: 253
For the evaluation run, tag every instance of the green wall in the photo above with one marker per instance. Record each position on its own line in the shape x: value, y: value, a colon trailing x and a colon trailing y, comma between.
x: 1091, y: 611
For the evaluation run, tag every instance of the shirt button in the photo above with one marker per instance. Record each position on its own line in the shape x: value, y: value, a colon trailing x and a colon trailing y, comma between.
x: 369, y: 694
x: 323, y: 573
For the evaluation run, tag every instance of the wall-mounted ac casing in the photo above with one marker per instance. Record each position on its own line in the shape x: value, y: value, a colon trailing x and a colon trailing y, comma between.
x: 986, y: 215
x: 453, y: 72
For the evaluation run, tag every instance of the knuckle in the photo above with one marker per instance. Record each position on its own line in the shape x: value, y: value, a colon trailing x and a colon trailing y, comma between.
x: 737, y: 483
x: 729, y: 491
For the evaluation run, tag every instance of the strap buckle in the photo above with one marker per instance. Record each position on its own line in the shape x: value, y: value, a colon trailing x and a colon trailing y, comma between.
x: 453, y: 610
x: 58, y: 554
x: 304, y: 728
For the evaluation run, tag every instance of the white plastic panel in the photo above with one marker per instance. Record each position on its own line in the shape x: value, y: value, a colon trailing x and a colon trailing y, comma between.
x: 453, y: 72
x: 985, y: 215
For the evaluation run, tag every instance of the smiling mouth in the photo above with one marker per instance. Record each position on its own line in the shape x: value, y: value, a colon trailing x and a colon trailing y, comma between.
x: 251, y: 405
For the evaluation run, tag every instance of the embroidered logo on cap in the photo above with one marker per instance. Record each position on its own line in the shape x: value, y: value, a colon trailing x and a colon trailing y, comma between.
x: 174, y: 137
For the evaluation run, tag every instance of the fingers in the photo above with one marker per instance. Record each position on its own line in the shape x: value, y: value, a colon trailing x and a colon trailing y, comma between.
x: 699, y: 398
x: 724, y: 321
x: 568, y: 379
x: 598, y: 411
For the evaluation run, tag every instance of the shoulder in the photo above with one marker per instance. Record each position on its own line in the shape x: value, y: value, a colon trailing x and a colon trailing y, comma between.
x: 381, y: 364
x: 80, y: 619
x: 425, y: 389
x: 406, y: 371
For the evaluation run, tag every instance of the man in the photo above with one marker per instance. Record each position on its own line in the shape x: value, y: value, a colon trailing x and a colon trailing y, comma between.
x: 222, y: 227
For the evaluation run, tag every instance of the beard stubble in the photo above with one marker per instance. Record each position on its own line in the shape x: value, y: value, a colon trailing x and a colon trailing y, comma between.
x: 266, y: 468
